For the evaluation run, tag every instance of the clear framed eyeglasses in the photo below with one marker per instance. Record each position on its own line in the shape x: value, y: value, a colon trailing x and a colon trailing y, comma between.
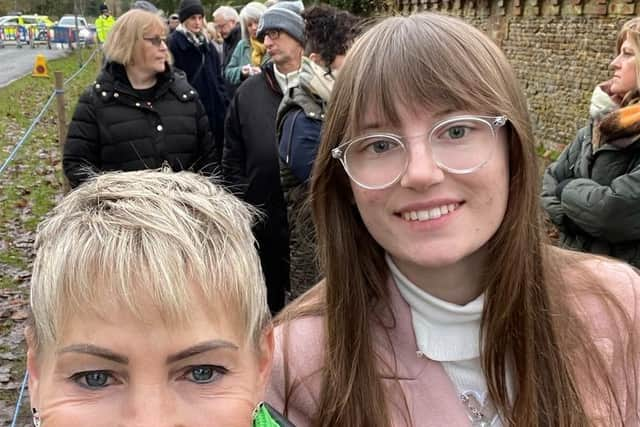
x: 459, y: 145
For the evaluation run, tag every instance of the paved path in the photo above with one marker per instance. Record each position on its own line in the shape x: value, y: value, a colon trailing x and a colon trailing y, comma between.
x: 15, y: 63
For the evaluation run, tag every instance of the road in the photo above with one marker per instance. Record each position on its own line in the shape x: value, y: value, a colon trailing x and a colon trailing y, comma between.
x: 15, y: 63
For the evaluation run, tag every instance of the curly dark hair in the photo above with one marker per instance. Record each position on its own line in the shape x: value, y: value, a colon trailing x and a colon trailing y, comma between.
x: 329, y: 31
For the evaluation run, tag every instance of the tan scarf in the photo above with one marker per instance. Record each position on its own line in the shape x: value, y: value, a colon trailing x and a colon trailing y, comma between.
x: 620, y: 128
x: 316, y: 79
x: 257, y: 52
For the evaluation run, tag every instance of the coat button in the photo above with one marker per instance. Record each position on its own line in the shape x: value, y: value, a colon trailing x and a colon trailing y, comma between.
x: 159, y: 127
x: 115, y: 95
x: 137, y: 104
x: 104, y: 93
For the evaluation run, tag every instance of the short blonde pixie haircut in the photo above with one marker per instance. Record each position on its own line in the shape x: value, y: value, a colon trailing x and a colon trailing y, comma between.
x: 148, y: 239
x: 128, y: 29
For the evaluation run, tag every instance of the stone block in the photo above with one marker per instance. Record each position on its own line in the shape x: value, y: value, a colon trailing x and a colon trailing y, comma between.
x: 622, y: 8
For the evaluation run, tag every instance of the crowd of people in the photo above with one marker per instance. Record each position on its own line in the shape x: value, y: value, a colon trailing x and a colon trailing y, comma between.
x: 384, y: 209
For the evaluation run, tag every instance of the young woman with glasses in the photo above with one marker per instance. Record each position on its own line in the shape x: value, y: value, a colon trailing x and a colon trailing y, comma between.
x: 140, y: 113
x: 443, y: 304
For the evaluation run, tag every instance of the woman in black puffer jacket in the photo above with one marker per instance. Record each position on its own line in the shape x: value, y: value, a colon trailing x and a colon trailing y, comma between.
x: 140, y: 113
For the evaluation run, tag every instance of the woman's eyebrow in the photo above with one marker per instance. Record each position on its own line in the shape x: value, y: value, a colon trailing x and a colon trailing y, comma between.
x: 94, y: 350
x: 201, y: 348
x: 435, y: 115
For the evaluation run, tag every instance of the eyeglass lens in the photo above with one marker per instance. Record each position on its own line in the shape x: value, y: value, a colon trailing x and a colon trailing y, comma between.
x: 156, y: 41
x: 459, y: 146
x: 273, y: 34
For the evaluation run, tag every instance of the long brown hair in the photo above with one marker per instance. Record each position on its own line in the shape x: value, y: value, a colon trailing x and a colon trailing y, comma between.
x: 424, y: 62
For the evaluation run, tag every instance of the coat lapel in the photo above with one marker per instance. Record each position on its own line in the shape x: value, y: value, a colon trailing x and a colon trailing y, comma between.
x: 430, y: 395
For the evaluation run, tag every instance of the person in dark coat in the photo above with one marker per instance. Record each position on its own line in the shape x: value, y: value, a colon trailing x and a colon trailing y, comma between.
x: 329, y: 33
x: 250, y: 155
x: 174, y: 21
x: 592, y: 192
x: 140, y: 113
x: 194, y: 54
x: 227, y: 22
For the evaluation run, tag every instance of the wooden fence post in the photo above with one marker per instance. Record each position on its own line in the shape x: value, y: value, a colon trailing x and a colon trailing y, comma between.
x: 62, y: 119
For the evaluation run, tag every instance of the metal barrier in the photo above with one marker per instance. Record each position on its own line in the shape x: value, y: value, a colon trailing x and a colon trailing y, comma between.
x: 39, y: 35
x: 69, y: 36
x: 14, y: 34
x: 62, y: 35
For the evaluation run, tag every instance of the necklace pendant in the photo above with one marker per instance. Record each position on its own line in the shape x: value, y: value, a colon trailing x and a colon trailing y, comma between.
x: 480, y: 410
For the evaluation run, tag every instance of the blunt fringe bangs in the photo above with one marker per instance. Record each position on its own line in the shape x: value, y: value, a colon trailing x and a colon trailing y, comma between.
x: 128, y: 29
x: 148, y: 239
x: 467, y: 73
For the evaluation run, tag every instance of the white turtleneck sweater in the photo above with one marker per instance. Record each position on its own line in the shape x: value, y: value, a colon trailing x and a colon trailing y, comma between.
x: 286, y: 81
x: 450, y: 334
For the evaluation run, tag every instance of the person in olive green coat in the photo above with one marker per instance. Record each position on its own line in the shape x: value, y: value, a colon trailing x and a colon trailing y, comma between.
x: 592, y: 192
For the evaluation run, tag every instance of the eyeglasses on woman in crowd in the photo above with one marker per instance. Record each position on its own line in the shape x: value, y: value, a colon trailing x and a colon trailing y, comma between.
x: 156, y: 41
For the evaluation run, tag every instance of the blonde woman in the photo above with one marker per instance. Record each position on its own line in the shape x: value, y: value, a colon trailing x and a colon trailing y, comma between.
x: 591, y: 192
x: 149, y: 307
x: 443, y: 305
x: 140, y: 113
x: 249, y: 53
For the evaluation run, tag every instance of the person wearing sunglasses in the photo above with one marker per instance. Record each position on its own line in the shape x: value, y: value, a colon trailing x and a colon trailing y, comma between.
x: 149, y: 308
x: 443, y: 304
x: 140, y: 112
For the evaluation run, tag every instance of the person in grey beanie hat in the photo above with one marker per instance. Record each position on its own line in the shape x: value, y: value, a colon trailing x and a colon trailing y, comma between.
x: 144, y: 5
x: 283, y: 16
x: 250, y: 154
x: 189, y: 8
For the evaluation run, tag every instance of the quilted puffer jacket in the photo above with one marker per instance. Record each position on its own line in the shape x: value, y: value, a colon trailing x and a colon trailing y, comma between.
x: 116, y: 127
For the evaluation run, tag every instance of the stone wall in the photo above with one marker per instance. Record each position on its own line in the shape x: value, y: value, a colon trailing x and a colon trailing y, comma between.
x: 560, y: 50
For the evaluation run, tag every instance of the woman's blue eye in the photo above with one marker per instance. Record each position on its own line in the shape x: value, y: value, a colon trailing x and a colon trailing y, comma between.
x: 93, y: 379
x: 204, y: 374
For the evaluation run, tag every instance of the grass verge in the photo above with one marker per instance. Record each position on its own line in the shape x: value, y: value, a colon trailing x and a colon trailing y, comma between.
x: 29, y: 188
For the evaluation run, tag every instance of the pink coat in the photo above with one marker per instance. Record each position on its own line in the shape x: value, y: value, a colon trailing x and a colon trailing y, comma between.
x: 431, y: 396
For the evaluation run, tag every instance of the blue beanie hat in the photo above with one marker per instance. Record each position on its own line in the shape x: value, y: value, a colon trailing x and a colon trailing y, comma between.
x: 284, y: 16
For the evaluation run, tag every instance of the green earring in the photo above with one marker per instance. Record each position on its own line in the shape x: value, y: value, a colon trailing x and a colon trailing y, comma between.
x: 262, y: 417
